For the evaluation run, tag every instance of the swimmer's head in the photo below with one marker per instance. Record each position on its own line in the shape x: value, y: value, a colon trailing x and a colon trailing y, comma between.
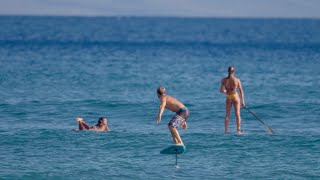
x: 161, y: 91
x: 102, y: 121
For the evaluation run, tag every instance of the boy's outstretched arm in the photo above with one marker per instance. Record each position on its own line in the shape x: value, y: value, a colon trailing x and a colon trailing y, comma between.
x: 163, y: 102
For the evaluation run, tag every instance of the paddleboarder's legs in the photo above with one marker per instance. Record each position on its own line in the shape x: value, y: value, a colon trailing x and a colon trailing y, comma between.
x: 227, y: 117
x: 236, y: 105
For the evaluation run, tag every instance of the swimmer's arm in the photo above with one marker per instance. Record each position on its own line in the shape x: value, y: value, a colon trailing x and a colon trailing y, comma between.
x: 84, y: 124
x: 241, y: 93
x: 222, y: 89
x: 163, y: 102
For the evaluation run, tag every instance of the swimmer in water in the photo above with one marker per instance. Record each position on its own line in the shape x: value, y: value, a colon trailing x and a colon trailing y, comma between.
x: 102, y: 125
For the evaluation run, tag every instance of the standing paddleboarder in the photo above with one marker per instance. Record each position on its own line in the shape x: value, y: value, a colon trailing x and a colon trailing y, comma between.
x: 229, y: 87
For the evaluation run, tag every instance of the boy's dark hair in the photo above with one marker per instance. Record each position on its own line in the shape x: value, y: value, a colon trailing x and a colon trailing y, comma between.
x: 161, y: 90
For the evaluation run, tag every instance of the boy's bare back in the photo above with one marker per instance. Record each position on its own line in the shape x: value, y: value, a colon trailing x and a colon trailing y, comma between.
x: 173, y: 104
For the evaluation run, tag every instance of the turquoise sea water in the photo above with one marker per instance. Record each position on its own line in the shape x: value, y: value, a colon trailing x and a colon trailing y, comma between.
x: 53, y: 69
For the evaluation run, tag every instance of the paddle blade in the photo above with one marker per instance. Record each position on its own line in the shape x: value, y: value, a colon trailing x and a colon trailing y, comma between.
x: 270, y: 131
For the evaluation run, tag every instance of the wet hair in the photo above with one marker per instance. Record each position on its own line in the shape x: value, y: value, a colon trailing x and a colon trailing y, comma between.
x: 161, y: 90
x: 231, y: 70
x: 101, y: 120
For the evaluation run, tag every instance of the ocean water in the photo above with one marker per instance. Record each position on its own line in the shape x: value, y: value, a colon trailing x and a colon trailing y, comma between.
x: 53, y: 69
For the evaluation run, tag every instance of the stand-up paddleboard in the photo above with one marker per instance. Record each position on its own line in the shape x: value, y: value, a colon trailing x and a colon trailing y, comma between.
x: 174, y: 149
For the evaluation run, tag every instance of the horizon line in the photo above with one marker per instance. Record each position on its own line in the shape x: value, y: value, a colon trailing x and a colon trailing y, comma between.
x: 159, y: 16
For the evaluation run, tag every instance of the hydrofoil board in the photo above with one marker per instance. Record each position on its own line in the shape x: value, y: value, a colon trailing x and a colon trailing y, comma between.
x: 174, y: 149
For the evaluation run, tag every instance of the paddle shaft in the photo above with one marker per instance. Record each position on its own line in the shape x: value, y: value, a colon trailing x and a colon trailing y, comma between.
x: 270, y: 130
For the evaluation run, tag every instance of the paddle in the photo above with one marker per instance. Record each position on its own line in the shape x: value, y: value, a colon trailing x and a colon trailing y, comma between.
x: 269, y: 129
